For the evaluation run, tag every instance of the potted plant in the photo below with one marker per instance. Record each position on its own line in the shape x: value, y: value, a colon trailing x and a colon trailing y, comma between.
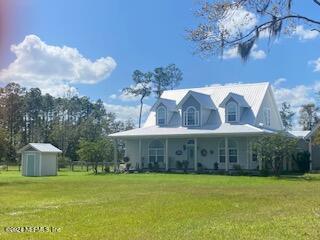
x: 185, y: 165
x: 216, y: 166
x: 126, y: 159
x: 179, y: 165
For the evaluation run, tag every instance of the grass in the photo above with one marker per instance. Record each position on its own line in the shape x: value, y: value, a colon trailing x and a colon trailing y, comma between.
x: 161, y: 206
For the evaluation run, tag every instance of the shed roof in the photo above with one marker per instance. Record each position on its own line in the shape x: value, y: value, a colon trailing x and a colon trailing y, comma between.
x: 41, y: 147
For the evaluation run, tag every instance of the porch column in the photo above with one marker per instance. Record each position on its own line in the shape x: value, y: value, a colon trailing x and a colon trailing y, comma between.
x: 140, y: 154
x: 226, y: 153
x: 166, y: 155
x: 310, y: 154
x: 195, y: 154
x: 115, y: 155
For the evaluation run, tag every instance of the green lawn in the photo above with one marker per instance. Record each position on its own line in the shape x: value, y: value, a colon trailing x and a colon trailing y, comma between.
x: 160, y: 206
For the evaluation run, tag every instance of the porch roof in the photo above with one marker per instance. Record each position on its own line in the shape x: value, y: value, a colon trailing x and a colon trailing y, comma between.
x: 222, y: 129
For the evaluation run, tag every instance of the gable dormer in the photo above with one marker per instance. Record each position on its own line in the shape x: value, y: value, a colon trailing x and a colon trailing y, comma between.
x: 164, y: 110
x: 234, y: 106
x: 195, y: 109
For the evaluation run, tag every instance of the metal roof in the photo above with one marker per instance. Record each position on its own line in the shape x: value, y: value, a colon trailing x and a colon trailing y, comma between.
x: 236, y: 97
x: 300, y: 134
x: 253, y: 94
x: 222, y: 129
x: 204, y: 99
x: 41, y: 147
x: 250, y: 95
x: 170, y: 104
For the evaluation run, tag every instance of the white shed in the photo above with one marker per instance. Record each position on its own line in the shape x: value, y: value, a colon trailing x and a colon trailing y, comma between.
x: 39, y: 159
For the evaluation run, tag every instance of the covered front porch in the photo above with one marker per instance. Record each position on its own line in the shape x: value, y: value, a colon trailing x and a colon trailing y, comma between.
x: 192, y: 153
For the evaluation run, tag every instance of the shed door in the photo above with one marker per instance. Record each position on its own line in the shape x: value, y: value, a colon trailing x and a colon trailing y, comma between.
x: 31, y: 164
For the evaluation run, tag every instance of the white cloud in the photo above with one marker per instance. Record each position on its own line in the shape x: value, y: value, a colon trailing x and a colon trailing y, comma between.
x: 127, y: 97
x: 113, y: 96
x: 296, y: 96
x: 232, y: 53
x: 124, y: 97
x: 279, y: 81
x: 53, y: 69
x: 124, y: 112
x: 305, y: 34
x: 316, y: 64
x: 257, y: 53
x: 237, y: 20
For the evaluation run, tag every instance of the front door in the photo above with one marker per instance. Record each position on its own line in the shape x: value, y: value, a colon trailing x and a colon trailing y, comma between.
x: 31, y: 164
x: 190, y: 156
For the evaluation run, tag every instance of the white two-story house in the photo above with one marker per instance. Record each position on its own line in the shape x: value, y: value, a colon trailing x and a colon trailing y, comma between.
x: 208, y: 128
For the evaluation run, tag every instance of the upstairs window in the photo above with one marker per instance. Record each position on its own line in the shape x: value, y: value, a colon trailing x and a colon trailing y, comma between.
x: 191, y: 117
x: 267, y: 117
x: 231, y: 112
x: 161, y: 116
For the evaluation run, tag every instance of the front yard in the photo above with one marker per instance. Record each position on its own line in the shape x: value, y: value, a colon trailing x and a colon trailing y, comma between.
x: 160, y: 206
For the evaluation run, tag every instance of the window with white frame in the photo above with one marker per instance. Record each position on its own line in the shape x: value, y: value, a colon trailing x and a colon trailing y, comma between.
x: 232, y: 150
x: 161, y: 116
x: 222, y: 152
x: 231, y: 112
x: 156, y: 152
x: 191, y: 117
x: 267, y: 116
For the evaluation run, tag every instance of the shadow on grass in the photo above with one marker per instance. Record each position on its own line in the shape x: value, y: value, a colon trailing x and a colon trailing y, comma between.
x: 300, y: 177
x: 18, y: 183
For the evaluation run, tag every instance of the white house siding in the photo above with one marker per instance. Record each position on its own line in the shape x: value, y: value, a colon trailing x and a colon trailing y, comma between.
x: 25, y: 168
x: 132, y: 151
x: 48, y: 164
x: 268, y: 102
x: 177, y: 144
x: 315, y: 154
x: 316, y: 157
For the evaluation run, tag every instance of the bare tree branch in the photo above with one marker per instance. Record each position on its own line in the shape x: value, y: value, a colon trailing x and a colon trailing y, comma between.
x: 235, y: 23
x: 316, y: 2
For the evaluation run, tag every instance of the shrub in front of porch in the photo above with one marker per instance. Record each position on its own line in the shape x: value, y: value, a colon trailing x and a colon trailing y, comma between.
x: 275, y: 151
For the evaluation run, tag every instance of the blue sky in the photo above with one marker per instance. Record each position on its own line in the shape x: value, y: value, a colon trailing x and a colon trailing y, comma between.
x: 146, y: 34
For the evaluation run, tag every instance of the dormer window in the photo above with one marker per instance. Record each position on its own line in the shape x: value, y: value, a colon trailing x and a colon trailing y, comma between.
x: 161, y: 116
x: 191, y: 117
x: 231, y: 112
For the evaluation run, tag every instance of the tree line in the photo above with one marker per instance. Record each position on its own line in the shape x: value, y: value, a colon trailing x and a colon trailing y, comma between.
x: 66, y: 122
x: 307, y: 119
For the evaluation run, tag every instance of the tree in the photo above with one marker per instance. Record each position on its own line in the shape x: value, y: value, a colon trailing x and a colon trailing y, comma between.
x: 238, y: 24
x: 165, y: 78
x: 274, y: 150
x: 95, y: 151
x: 141, y: 88
x: 308, y: 116
x: 11, y: 100
x: 286, y: 115
x: 4, y: 144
